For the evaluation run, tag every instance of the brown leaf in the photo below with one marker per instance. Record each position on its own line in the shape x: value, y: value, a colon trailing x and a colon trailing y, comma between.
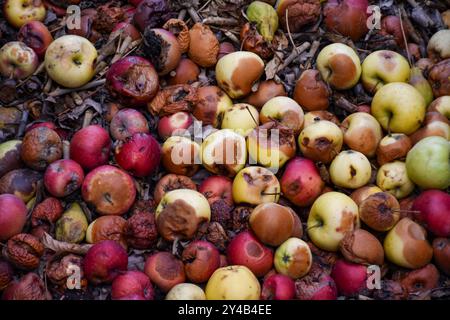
x: 59, y: 246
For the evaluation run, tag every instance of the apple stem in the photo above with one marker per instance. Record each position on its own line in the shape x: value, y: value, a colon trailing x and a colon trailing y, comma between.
x: 315, y: 226
x: 251, y: 115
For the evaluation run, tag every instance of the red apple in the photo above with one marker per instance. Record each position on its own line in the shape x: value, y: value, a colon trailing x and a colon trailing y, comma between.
x: 47, y: 124
x: 201, y: 259
x: 63, y: 177
x: 278, y: 287
x: 13, y: 215
x: 316, y: 286
x: 350, y: 278
x: 434, y: 211
x: 216, y: 188
x: 127, y: 122
x: 301, y: 182
x: 104, y: 261
x: 132, y: 285
x: 246, y: 250
x: 133, y: 81
x: 165, y: 270
x: 35, y: 35
x: 109, y: 190
x: 169, y: 124
x: 139, y: 155
x: 90, y: 147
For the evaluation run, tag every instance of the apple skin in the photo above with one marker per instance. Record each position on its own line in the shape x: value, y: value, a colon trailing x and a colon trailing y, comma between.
x: 63, y: 177
x: 70, y: 61
x: 350, y: 278
x: 242, y: 118
x: 201, y: 259
x: 132, y: 285
x: 301, y: 182
x: 140, y: 155
x: 36, y: 35
x: 186, y: 291
x: 434, y: 211
x: 284, y: 110
x: 19, y: 12
x: 350, y: 169
x: 164, y: 270
x: 10, y: 156
x: 316, y: 286
x: 441, y: 105
x: 169, y: 124
x: 17, y: 60
x: 331, y: 216
x: 278, y: 287
x: 104, y: 261
x: 217, y: 188
x: 127, y: 122
x: 399, y: 107
x: 384, y: 66
x: 427, y: 163
x: 293, y: 258
x: 90, y: 147
x: 339, y: 65
x: 392, y: 178
x: 13, y: 215
x: 246, y: 250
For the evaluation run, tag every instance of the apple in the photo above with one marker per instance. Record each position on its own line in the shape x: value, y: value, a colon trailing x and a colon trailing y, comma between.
x: 171, y: 182
x: 211, y: 105
x: 271, y: 145
x: 237, y: 71
x: 241, y: 118
x: 63, y: 177
x: 332, y: 215
x: 314, y: 116
x: 399, y: 107
x: 127, y: 122
x: 181, y: 155
x: 418, y: 81
x: 301, y: 182
x: 139, y: 155
x: 90, y: 147
x: 19, y: 12
x: 17, y: 60
x: 224, y: 152
x: 380, y: 211
x: 433, y: 207
x: 180, y: 213
x: 107, y: 228
x: 441, y: 105
x: 233, y: 283
x: 284, y: 110
x: 406, y: 245
x: 362, y: 133
x: 109, y: 190
x: 392, y: 147
x: 350, y: 169
x: 321, y: 141
x: 350, y: 278
x: 104, y: 261
x: 427, y: 163
x: 168, y: 125
x: 13, y: 215
x: 35, y: 35
x: 360, y: 246
x: 278, y: 287
x: 186, y: 291
x: 293, y: 258
x: 266, y: 91
x: 70, y: 61
x: 165, y: 270
x: 361, y: 194
x: 10, y: 156
x: 311, y: 92
x: 273, y: 224
x: 441, y: 254
x: 435, y: 125
x: 22, y: 183
x: 255, y: 185
x: 438, y: 47
x: 317, y: 285
x: 339, y: 65
x: 392, y: 178
x: 382, y: 67
x: 217, y: 188
x: 186, y: 72
x: 132, y: 285
x: 201, y: 259
x: 347, y: 17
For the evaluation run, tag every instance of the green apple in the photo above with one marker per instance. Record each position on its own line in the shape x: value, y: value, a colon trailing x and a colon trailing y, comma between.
x: 428, y: 164
x: 392, y: 178
x: 241, y: 117
x: 332, y: 215
x: 418, y: 81
x: 406, y: 245
x: 339, y: 65
x: 70, y: 61
x: 350, y: 169
x: 399, y: 108
x: 284, y: 110
x: 293, y: 258
x: 186, y: 291
x: 383, y: 66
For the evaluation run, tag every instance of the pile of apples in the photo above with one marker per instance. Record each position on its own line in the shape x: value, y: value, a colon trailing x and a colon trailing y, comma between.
x: 227, y: 213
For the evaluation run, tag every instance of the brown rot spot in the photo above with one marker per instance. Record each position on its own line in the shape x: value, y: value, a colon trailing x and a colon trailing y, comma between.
x: 346, y: 222
x: 352, y: 171
x: 254, y: 250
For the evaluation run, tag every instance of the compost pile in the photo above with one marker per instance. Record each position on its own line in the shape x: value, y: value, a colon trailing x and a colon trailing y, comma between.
x: 224, y: 149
